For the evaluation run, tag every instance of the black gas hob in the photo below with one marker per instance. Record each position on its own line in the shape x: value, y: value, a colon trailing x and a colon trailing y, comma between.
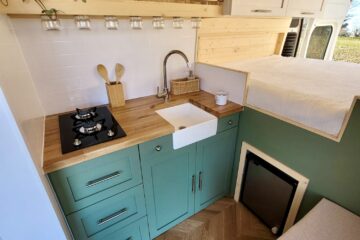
x: 87, y: 127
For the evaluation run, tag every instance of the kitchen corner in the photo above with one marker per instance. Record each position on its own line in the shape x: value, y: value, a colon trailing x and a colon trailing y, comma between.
x: 138, y: 119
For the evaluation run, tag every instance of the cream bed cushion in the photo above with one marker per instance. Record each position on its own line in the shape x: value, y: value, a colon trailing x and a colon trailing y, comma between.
x: 314, y: 93
x: 326, y: 221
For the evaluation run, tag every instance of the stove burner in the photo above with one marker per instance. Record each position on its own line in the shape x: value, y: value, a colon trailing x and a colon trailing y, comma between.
x: 90, y: 127
x: 85, y: 114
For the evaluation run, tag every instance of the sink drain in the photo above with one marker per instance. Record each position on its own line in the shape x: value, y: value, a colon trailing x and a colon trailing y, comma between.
x: 182, y: 127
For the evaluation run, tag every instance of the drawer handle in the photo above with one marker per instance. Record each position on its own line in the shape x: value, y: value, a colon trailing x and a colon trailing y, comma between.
x: 129, y: 238
x: 193, y: 183
x: 200, y: 181
x: 230, y: 122
x: 261, y: 11
x: 307, y: 13
x: 103, y: 179
x: 112, y: 216
x: 158, y: 148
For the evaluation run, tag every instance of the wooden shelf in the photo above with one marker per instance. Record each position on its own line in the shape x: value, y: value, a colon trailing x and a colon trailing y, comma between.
x: 115, y: 7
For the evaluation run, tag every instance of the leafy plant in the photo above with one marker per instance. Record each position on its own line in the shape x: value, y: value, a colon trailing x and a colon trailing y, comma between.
x: 51, y: 13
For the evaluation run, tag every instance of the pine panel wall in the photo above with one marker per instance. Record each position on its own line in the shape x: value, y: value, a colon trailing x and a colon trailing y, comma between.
x: 236, y: 38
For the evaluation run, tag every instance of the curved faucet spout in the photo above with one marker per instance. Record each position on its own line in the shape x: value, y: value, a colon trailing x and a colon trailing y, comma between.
x: 165, y: 62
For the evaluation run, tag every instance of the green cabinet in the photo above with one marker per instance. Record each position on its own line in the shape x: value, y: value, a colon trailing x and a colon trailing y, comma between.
x: 137, y: 230
x: 104, y: 198
x: 147, y: 188
x: 214, y: 161
x: 169, y: 183
x: 114, y: 212
x: 89, y: 182
x: 178, y: 183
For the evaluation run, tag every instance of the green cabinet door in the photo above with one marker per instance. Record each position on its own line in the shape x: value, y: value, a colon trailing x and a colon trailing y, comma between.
x: 169, y: 177
x: 214, y: 161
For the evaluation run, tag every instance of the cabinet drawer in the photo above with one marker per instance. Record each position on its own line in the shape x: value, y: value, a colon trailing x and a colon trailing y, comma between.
x: 305, y: 8
x: 87, y: 183
x: 303, y: 13
x: 137, y: 230
x: 157, y: 146
x: 120, y: 209
x: 228, y: 122
x: 240, y: 10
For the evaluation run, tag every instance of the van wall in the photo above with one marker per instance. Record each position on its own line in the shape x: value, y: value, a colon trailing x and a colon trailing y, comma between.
x: 63, y: 63
x: 331, y: 167
x: 26, y: 197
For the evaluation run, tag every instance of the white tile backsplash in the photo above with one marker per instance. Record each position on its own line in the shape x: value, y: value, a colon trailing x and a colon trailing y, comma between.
x: 63, y: 63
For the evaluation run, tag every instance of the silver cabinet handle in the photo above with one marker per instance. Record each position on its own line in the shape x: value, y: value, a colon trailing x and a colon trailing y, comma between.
x: 200, y: 181
x: 103, y: 179
x: 112, y: 216
x: 193, y: 183
x: 261, y: 11
x: 158, y: 148
x: 307, y: 13
x: 230, y: 122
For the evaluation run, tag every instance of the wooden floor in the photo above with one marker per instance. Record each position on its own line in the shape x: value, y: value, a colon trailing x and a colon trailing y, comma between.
x: 224, y: 220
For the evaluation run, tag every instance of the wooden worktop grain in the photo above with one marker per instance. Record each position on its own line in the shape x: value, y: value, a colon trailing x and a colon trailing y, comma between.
x: 138, y: 119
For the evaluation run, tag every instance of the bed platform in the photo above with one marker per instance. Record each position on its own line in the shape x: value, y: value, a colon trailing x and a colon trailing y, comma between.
x: 312, y: 94
x: 304, y: 113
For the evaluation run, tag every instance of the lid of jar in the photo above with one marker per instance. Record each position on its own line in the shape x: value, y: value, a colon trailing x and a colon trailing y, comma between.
x: 221, y: 93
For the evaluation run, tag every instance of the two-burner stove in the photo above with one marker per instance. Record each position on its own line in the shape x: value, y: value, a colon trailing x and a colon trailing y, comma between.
x: 87, y: 127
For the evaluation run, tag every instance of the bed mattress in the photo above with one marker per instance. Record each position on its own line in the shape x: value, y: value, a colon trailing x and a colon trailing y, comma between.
x: 315, y: 94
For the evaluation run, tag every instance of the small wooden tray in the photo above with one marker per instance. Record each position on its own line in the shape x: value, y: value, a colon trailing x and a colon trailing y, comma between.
x: 182, y: 86
x: 115, y: 94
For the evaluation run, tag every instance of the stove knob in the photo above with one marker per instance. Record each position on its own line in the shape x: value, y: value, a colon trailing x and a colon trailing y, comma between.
x: 110, y: 133
x: 77, y: 142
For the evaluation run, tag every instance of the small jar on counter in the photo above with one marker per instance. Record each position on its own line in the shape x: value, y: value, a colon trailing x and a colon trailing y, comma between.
x: 221, y: 98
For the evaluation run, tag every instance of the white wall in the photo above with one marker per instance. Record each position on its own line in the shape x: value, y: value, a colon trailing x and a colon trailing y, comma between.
x: 19, y: 89
x: 63, y: 63
x: 26, y: 212
x: 24, y: 205
x: 214, y: 79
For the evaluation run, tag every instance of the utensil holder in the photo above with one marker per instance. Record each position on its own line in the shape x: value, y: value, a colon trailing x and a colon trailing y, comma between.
x: 115, y: 94
x: 182, y: 86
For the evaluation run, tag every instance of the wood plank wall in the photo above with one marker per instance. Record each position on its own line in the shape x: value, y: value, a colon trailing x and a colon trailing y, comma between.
x: 115, y: 7
x: 236, y: 38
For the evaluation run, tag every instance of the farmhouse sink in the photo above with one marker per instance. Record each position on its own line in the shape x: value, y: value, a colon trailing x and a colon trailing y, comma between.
x: 191, y: 123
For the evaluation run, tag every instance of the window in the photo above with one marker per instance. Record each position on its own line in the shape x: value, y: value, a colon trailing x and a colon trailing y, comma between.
x: 348, y: 43
x: 319, y: 42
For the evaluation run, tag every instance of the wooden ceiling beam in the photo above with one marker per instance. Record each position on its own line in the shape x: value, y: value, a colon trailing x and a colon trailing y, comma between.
x: 115, y: 7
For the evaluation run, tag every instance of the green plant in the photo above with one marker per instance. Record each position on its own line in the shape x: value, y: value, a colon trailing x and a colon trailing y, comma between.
x: 51, y: 13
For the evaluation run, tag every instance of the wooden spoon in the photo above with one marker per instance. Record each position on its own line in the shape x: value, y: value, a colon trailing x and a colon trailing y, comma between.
x: 103, y: 73
x: 119, y: 72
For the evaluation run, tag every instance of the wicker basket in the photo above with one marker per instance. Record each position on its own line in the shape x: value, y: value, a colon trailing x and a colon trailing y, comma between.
x: 181, y: 86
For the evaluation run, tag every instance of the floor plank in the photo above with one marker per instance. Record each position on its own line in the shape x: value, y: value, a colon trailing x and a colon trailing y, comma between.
x: 223, y: 220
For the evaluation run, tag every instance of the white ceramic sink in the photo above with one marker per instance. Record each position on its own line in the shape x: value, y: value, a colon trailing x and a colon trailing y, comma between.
x: 191, y: 123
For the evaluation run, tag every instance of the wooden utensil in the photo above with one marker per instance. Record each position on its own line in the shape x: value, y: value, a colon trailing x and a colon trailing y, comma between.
x: 103, y: 73
x: 119, y: 72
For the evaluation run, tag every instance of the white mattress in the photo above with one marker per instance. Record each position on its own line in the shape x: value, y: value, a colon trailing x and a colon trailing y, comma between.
x: 326, y: 221
x: 313, y: 93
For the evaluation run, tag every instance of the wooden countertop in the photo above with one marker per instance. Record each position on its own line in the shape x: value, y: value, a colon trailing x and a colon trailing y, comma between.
x: 140, y: 122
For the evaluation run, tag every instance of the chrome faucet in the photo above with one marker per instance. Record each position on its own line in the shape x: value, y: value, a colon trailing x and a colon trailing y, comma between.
x: 164, y: 93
